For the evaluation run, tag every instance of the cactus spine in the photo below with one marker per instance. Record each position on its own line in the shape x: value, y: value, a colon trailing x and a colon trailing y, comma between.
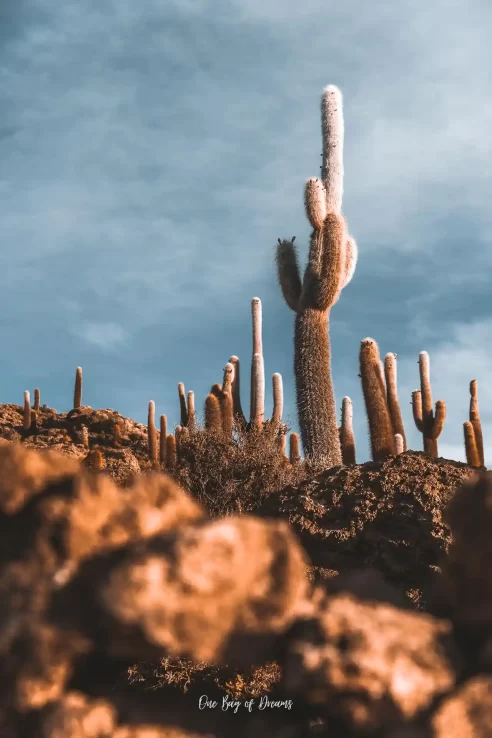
x: 373, y: 387
x: 77, y: 395
x: 331, y: 264
x: 390, y: 373
x: 430, y: 424
x: 347, y: 438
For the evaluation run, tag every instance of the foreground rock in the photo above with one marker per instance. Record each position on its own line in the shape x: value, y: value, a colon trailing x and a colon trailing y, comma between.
x: 95, y: 576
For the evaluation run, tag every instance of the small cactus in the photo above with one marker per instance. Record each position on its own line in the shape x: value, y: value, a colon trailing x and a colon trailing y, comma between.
x: 278, y: 400
x: 390, y: 373
x: 84, y: 432
x: 294, y: 455
x: 373, y: 387
x: 77, y: 395
x: 399, y: 444
x: 347, y: 438
x: 226, y: 401
x: 191, y: 411
x: 213, y: 416
x: 471, y: 450
x: 162, y: 439
x: 37, y: 399
x: 34, y: 420
x: 236, y: 391
x: 171, y: 455
x: 257, y: 399
x: 151, y: 433
x: 95, y: 460
x: 281, y: 441
x: 476, y: 422
x: 26, y: 423
x: 182, y: 404
x: 428, y: 422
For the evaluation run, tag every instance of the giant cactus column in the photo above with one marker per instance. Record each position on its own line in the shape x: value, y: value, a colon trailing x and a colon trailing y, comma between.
x: 331, y: 264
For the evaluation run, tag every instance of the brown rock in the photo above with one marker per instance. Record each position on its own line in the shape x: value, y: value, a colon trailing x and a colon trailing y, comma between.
x: 371, y: 664
x: 467, y: 713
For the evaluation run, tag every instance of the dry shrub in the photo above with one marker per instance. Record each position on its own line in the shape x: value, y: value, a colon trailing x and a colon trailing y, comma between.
x: 230, y: 476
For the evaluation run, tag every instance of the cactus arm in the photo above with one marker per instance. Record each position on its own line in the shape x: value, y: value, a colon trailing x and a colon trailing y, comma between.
x: 333, y: 138
x: 288, y: 273
x: 315, y: 202
x: 351, y: 257
x: 417, y: 409
x: 399, y: 444
x: 439, y: 420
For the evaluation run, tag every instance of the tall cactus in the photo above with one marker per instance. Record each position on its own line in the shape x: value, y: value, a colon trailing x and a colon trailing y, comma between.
x: 26, y: 421
x: 331, y: 264
x: 428, y: 422
x: 373, y: 387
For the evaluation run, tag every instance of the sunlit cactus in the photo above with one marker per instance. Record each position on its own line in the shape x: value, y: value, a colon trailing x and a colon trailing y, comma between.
x: 37, y: 399
x: 257, y: 399
x: 374, y: 389
x: 191, y: 411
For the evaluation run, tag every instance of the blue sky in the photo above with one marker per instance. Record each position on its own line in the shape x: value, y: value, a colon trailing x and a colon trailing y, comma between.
x: 152, y: 153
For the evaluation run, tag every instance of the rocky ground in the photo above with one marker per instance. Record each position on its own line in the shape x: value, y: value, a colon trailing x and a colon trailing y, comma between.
x: 357, y: 603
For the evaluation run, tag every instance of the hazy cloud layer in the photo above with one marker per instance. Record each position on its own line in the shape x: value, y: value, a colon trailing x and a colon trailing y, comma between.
x: 151, y: 154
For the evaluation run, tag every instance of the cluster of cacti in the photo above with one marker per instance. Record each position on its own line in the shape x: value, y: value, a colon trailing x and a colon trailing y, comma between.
x: 379, y: 386
x: 428, y: 422
x: 331, y: 265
